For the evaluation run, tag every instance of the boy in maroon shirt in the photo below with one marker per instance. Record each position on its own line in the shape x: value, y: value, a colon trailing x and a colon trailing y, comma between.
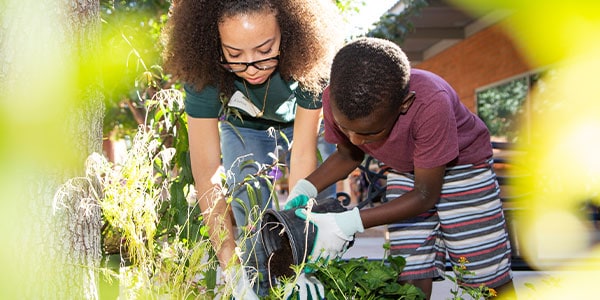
x: 442, y: 192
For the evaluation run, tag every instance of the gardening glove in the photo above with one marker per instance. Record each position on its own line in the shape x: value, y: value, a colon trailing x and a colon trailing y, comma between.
x: 307, y: 286
x: 334, y: 231
x: 298, y: 201
x: 236, y: 280
x: 302, y: 188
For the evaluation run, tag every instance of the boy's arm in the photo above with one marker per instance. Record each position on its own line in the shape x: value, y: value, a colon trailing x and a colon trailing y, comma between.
x: 336, y: 167
x: 426, y: 193
x: 336, y: 230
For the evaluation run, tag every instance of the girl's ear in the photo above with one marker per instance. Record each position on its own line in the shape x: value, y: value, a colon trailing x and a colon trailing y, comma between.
x: 407, y: 102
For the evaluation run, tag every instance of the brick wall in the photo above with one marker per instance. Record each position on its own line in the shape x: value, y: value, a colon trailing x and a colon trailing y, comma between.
x: 484, y: 58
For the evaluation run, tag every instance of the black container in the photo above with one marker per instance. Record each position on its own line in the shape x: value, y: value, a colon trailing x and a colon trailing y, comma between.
x: 289, y: 239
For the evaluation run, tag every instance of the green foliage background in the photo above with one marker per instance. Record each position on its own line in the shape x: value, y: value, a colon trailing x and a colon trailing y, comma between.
x: 502, y: 106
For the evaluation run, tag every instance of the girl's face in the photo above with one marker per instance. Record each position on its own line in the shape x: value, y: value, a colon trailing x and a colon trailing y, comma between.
x: 248, y: 38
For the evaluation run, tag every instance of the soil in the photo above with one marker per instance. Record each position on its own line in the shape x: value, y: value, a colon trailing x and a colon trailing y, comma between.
x: 281, y: 260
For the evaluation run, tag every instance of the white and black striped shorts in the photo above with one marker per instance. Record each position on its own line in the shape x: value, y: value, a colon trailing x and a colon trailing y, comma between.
x: 468, y: 222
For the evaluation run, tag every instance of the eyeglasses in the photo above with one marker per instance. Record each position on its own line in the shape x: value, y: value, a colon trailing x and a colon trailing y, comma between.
x: 263, y: 64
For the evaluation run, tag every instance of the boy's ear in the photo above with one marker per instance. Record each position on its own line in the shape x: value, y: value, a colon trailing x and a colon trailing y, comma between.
x: 407, y: 102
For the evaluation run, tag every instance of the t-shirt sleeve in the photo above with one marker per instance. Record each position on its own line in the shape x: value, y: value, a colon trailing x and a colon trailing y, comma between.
x: 332, y: 133
x: 307, y: 100
x: 436, y: 136
x: 203, y: 104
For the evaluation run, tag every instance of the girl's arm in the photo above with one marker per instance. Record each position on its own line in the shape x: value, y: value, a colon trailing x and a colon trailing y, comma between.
x: 337, y: 167
x: 205, y: 154
x: 304, y: 156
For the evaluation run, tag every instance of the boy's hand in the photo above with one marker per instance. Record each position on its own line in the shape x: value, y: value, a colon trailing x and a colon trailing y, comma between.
x: 302, y: 187
x: 334, y: 231
x: 307, y: 287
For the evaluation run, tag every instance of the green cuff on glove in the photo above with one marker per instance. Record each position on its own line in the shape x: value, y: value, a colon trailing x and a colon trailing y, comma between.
x: 298, y: 201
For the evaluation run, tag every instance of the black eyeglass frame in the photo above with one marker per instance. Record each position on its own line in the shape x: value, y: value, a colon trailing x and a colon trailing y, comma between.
x: 223, y: 62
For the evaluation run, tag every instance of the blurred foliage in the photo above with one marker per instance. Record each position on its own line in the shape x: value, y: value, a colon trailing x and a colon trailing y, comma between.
x: 501, y: 106
x: 138, y: 92
x: 507, y: 110
x: 561, y: 154
x: 395, y: 27
x: 131, y: 60
x: 349, y: 7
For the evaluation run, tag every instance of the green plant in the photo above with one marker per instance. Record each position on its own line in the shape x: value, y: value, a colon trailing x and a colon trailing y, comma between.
x: 149, y: 203
x: 130, y: 61
x: 460, y: 289
x: 361, y: 278
x: 132, y: 193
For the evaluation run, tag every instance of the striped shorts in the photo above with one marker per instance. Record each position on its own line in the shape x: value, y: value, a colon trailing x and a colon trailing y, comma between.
x: 467, y: 223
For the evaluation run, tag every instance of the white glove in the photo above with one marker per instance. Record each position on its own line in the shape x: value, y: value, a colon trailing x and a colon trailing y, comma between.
x: 334, y: 231
x: 303, y: 187
x: 236, y: 281
x: 307, y: 286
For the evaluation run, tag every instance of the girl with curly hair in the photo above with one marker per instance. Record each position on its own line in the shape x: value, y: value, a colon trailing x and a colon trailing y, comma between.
x: 250, y: 67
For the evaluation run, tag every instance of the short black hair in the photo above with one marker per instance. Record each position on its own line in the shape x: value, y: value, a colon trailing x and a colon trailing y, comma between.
x: 368, y: 73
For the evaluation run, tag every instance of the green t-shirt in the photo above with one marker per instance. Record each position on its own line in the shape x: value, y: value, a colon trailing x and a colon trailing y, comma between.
x: 279, y: 110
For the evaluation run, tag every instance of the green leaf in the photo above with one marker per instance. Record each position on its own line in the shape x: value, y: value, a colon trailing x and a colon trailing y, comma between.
x: 360, y: 278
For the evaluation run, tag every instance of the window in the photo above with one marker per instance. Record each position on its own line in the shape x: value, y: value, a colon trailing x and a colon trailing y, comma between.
x: 505, y: 109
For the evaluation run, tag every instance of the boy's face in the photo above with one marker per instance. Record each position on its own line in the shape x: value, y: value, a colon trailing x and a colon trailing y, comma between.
x: 372, y: 128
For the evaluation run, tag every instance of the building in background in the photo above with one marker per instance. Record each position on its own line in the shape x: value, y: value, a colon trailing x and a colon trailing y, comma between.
x: 475, y: 54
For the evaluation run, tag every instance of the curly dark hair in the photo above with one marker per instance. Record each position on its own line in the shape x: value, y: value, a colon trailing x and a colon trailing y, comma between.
x: 368, y: 73
x: 309, y: 39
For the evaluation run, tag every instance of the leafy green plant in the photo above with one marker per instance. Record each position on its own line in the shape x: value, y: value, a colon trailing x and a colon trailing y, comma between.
x: 460, y: 289
x: 361, y: 278
x: 152, y: 264
x: 149, y: 203
x: 131, y: 59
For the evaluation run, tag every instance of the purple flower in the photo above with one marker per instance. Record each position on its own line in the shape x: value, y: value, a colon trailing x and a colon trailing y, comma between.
x: 275, y: 173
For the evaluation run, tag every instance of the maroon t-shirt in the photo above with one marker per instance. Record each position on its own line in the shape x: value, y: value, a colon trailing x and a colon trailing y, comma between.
x: 437, y: 129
